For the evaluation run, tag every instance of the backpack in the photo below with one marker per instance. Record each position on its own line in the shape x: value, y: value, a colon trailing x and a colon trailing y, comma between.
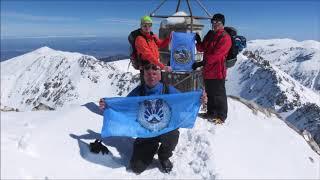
x: 238, y: 44
x: 135, y: 59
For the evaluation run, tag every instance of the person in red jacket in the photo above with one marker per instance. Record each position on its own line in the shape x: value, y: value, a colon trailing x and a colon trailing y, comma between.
x: 147, y: 46
x: 215, y: 47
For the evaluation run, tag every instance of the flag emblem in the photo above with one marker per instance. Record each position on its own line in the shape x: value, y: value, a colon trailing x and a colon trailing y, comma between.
x: 154, y: 114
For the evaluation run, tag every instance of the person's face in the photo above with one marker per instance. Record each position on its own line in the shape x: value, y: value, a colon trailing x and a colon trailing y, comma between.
x: 152, y: 75
x: 216, y: 25
x: 146, y: 27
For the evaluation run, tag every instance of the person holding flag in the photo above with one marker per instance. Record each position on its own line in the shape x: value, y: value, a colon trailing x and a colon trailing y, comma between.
x: 157, y: 132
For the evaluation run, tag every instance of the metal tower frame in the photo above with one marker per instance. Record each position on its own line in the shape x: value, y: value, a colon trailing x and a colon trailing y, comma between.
x: 191, y: 16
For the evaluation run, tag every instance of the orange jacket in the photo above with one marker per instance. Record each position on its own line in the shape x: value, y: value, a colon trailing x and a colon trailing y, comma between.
x: 147, y: 48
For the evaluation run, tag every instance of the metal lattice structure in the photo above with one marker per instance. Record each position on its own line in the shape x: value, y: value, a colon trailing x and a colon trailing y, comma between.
x: 191, y: 16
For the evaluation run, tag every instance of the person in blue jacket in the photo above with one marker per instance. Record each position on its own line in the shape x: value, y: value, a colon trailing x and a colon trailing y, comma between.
x: 144, y: 149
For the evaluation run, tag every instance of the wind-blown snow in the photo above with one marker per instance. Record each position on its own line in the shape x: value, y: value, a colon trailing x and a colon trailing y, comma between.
x: 251, y: 144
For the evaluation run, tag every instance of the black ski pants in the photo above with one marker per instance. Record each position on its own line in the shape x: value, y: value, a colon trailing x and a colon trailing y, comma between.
x: 217, y: 105
x: 145, y: 148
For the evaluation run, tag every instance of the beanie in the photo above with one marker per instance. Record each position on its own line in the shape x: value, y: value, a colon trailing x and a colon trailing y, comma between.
x: 218, y: 17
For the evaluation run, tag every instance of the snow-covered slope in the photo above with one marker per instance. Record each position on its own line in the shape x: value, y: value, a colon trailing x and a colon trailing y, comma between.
x: 301, y: 60
x: 46, y: 78
x: 258, y: 79
x: 251, y: 144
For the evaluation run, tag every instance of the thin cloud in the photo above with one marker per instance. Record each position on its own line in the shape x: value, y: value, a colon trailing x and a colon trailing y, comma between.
x: 31, y: 17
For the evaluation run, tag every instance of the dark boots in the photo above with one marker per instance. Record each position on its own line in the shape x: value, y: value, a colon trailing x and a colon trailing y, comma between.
x: 166, y: 165
x: 145, y: 148
x: 139, y: 166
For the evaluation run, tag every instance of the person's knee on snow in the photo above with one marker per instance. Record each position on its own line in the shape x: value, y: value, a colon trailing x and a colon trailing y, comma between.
x: 138, y: 166
x: 168, y: 143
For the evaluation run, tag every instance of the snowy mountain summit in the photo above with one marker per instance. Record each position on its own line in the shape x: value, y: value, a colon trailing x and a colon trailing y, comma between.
x: 256, y: 142
x: 48, y: 79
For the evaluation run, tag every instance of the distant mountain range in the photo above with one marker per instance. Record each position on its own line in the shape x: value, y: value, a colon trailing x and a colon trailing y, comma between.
x: 99, y: 47
x: 281, y: 75
x: 300, y: 60
x: 114, y: 58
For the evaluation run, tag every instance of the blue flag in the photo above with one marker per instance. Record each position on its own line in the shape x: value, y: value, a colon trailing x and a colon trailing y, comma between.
x: 149, y: 116
x: 182, y: 51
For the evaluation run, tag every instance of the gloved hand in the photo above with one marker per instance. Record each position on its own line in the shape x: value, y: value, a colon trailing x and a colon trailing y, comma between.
x: 197, y: 64
x: 167, y: 69
x: 102, y: 104
x: 198, y: 38
x: 97, y: 146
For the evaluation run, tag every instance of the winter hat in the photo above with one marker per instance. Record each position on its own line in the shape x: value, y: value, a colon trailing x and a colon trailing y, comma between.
x: 218, y: 17
x: 146, y: 19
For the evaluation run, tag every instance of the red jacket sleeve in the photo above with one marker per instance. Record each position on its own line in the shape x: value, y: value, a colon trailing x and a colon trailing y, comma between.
x: 146, y: 52
x: 200, y: 46
x: 220, y: 51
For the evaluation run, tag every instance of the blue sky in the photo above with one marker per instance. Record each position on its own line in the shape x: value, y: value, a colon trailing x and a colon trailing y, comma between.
x: 295, y: 19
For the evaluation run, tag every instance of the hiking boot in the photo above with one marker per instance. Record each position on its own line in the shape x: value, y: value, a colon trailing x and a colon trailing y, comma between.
x: 205, y: 115
x: 216, y: 120
x: 166, y: 165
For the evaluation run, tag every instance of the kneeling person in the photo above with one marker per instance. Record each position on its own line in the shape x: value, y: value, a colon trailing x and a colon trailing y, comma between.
x: 144, y: 149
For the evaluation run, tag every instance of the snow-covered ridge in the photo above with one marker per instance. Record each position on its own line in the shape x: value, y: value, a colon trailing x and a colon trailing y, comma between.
x: 258, y: 80
x: 301, y: 60
x: 46, y: 78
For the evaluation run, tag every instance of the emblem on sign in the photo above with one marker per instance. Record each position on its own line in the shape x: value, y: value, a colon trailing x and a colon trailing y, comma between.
x: 182, y: 55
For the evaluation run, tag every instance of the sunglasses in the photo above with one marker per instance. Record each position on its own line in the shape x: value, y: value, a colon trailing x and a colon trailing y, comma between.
x: 147, y: 25
x: 151, y: 66
x: 215, y: 22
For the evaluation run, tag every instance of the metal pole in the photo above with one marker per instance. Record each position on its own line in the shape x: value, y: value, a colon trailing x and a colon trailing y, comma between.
x: 178, y: 6
x: 190, y: 15
x: 202, y: 6
x: 152, y: 13
x: 166, y: 16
